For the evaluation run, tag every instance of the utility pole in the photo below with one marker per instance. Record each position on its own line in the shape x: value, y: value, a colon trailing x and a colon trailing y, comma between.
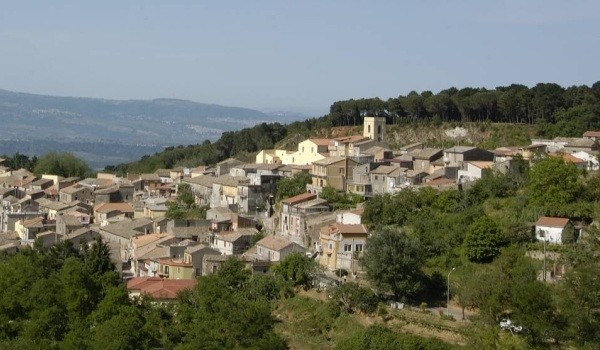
x: 448, y: 293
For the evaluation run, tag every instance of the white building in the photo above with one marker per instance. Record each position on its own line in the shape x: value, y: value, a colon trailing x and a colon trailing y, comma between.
x: 551, y: 229
x: 590, y: 159
x: 474, y: 170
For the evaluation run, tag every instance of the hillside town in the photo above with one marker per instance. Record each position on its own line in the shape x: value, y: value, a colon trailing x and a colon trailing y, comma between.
x: 243, y: 218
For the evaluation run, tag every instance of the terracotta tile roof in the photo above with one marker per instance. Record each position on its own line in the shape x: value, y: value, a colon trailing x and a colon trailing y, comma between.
x: 108, y: 207
x: 160, y: 288
x: 321, y: 142
x: 507, y: 151
x: 552, y: 222
x: 387, y: 170
x: 35, y: 222
x: 230, y: 161
x: 332, y: 160
x: 482, y: 164
x: 567, y: 157
x: 428, y: 153
x: 591, y: 134
x: 233, y: 236
x: 148, y: 239
x: 351, y: 139
x: 174, y: 262
x: 345, y: 229
x: 299, y: 198
x: 274, y: 243
x: 440, y: 181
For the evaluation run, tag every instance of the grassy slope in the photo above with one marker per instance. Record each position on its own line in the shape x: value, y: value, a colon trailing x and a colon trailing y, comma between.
x: 306, y: 323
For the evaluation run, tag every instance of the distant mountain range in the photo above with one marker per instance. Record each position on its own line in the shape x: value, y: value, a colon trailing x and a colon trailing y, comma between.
x: 36, y: 124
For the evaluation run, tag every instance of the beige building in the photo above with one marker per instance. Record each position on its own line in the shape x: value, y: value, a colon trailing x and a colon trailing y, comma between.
x: 309, y: 151
x: 332, y: 171
x: 273, y: 248
x: 272, y: 156
x: 374, y: 128
x: 341, y: 245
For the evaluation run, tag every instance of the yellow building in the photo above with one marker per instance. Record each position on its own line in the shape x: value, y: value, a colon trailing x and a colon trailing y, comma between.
x: 271, y: 156
x: 309, y: 150
x: 175, y: 269
x: 342, y: 245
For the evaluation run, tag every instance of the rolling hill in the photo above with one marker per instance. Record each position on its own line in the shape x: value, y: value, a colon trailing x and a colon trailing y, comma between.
x: 38, y: 123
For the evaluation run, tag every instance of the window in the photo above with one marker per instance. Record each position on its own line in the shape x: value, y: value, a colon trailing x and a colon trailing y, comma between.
x: 330, y: 245
x: 342, y: 171
x: 347, y: 247
x: 378, y: 129
x: 302, y: 148
x: 368, y: 128
x: 312, y: 150
x: 359, y: 247
x: 376, y: 178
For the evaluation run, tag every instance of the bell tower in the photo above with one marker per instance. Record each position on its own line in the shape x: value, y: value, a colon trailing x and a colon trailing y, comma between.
x: 374, y: 128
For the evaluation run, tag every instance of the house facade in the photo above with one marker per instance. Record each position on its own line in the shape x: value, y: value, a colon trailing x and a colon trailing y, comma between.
x: 553, y: 229
x: 341, y: 245
x: 275, y: 249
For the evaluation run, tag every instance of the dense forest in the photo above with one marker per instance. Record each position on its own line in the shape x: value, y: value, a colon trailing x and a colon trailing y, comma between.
x: 554, y: 110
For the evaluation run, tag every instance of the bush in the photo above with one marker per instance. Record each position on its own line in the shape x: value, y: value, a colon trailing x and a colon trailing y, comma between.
x: 351, y: 298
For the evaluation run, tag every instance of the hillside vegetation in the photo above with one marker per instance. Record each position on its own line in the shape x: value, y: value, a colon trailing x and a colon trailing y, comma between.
x: 509, y: 115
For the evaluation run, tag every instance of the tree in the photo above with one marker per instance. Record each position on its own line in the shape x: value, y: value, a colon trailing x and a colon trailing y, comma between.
x: 62, y: 164
x: 289, y: 187
x: 213, y: 316
x: 552, y: 184
x: 296, y: 268
x: 184, y: 207
x: 352, y: 298
x: 393, y: 262
x: 483, y: 240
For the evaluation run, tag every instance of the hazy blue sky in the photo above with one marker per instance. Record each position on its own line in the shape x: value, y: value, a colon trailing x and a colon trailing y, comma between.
x: 300, y: 55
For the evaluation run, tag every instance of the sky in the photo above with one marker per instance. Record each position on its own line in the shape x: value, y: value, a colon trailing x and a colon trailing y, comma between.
x: 301, y: 56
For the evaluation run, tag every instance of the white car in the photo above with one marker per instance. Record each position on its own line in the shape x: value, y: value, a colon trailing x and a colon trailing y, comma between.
x: 508, y: 325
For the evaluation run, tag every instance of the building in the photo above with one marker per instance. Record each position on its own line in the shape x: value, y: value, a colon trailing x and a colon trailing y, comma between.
x: 272, y: 156
x: 553, y: 230
x: 233, y: 242
x: 157, y: 288
x: 458, y: 155
x: 195, y: 254
x: 296, y: 210
x: 341, y: 245
x: 474, y: 170
x: 309, y: 151
x: 332, y: 171
x: 274, y: 248
x: 374, y: 128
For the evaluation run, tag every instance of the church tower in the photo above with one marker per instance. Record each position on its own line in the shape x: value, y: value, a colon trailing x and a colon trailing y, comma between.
x: 374, y: 128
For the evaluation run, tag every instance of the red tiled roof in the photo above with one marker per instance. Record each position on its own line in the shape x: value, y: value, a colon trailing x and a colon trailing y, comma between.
x: 567, y: 157
x: 345, y: 229
x: 160, y: 288
x: 591, y: 134
x: 299, y: 198
x: 274, y: 243
x: 108, y: 207
x: 552, y: 222
x: 321, y: 142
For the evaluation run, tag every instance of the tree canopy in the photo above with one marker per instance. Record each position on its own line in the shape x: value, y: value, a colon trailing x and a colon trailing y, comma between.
x: 62, y: 164
x: 393, y: 262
